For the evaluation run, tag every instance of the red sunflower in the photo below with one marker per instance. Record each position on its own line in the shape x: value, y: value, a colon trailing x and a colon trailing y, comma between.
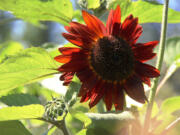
x: 107, y: 59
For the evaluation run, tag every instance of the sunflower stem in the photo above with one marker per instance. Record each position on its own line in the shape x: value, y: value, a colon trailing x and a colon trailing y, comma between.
x: 158, y: 66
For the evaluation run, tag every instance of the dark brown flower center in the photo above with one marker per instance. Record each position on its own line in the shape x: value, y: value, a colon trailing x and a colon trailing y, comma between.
x: 112, y: 58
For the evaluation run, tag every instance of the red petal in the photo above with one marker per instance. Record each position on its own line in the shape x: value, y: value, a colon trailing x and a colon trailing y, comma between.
x: 73, y: 66
x: 146, y: 80
x: 84, y: 74
x: 67, y: 77
x: 80, y: 29
x: 89, y: 91
x: 114, y: 20
x: 74, y: 56
x: 136, y: 34
x: 144, y: 52
x: 87, y: 85
x: 108, y: 96
x: 63, y: 58
x: 94, y: 24
x: 68, y: 50
x: 130, y: 29
x: 134, y: 88
x: 86, y: 97
x: 97, y: 94
x: 146, y: 70
x: 118, y: 98
x: 80, y: 41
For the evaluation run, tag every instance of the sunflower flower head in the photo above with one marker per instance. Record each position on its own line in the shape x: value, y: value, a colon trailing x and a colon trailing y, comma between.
x: 107, y: 59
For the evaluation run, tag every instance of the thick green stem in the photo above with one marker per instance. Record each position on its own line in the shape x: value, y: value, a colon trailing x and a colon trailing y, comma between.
x: 158, y: 66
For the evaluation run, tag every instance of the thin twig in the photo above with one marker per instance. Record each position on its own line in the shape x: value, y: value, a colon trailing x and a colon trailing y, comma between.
x: 170, y: 126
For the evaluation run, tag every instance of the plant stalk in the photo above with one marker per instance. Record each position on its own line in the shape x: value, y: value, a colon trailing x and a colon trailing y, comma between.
x: 158, y: 66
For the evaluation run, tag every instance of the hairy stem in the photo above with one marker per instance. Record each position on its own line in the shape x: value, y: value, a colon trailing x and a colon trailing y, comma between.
x: 158, y: 66
x: 59, y: 124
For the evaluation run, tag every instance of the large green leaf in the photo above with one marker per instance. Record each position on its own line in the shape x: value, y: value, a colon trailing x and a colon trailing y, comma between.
x: 9, y: 48
x: 13, y: 128
x: 147, y: 12
x: 112, y: 4
x: 25, y: 67
x: 24, y: 112
x: 19, y: 99
x: 40, y: 10
x: 170, y: 105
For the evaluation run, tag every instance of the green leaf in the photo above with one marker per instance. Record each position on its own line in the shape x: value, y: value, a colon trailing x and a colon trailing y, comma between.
x: 13, y: 128
x: 25, y: 67
x: 93, y: 4
x: 40, y: 10
x: 82, y: 132
x: 112, y: 4
x: 9, y: 48
x: 19, y: 99
x: 165, y: 120
x: 82, y: 117
x: 73, y: 89
x: 147, y: 12
x: 54, y: 131
x: 24, y: 112
x: 108, y: 123
x: 155, y: 110
x: 172, y: 51
x: 170, y: 105
x: 40, y: 91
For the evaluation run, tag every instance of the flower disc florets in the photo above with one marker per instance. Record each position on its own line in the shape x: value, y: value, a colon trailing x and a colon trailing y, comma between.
x: 112, y: 58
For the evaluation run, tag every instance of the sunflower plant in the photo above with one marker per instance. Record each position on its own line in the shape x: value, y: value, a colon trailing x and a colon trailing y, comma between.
x: 113, y: 80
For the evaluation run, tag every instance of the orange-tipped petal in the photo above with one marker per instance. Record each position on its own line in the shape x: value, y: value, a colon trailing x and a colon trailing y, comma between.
x: 94, y: 24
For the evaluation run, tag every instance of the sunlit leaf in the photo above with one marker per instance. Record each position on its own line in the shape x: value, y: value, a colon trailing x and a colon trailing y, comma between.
x: 8, y: 49
x: 19, y: 99
x: 82, y: 132
x: 170, y: 105
x: 147, y: 12
x: 73, y: 124
x: 39, y: 10
x: 24, y: 112
x: 82, y: 117
x: 13, y: 128
x: 92, y: 4
x: 112, y: 4
x: 54, y: 131
x: 27, y: 66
